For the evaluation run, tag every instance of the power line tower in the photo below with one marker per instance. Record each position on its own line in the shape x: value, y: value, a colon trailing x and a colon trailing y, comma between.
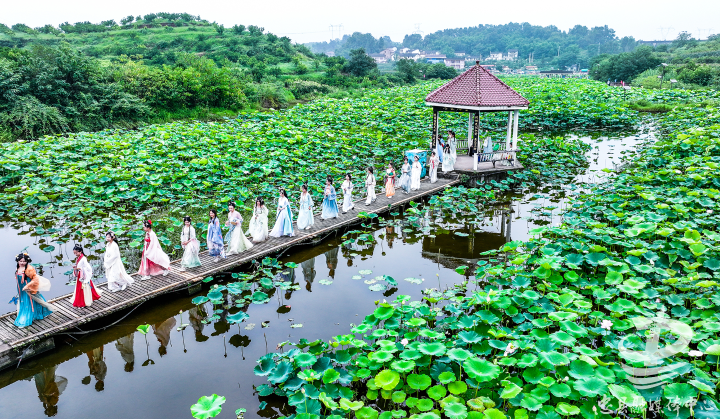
x: 418, y: 31
x: 339, y: 29
x: 664, y: 31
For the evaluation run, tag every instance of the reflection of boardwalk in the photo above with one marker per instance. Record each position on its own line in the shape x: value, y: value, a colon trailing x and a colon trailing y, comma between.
x: 464, y: 165
x: 13, y: 340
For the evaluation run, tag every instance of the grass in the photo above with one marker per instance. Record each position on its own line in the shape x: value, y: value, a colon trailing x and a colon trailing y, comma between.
x: 643, y: 105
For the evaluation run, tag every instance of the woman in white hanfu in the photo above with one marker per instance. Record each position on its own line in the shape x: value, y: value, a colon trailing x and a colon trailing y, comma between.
x: 85, y: 292
x: 434, y: 163
x: 370, y: 185
x: 117, y: 278
x: 258, y: 228
x: 347, y: 188
x: 284, y: 221
x: 415, y: 174
x: 191, y: 246
x: 448, y: 161
x: 405, y: 176
x: 452, y: 142
x: 154, y: 261
x: 305, y: 218
x: 237, y: 242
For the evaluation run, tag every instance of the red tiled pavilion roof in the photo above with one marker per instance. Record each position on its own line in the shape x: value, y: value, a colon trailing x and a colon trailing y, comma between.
x: 476, y: 87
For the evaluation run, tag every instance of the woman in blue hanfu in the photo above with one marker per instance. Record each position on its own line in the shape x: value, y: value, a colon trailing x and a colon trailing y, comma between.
x: 237, y: 242
x: 329, y: 204
x: 305, y: 218
x: 284, y: 221
x: 440, y: 147
x: 215, y: 243
x: 31, y: 305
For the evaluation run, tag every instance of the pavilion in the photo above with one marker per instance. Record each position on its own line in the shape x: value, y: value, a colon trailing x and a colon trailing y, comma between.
x: 475, y: 91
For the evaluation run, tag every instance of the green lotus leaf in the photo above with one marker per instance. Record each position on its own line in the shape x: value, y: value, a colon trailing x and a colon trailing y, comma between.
x: 447, y: 377
x: 458, y: 354
x: 305, y: 360
x: 419, y: 381
x: 387, y: 379
x: 554, y: 358
x: 366, y: 412
x: 560, y: 390
x: 330, y: 376
x: 328, y: 401
x: 280, y: 373
x: 457, y: 387
x: 436, y: 392
x: 680, y: 393
x: 480, y: 369
x: 510, y: 390
x: 402, y: 366
x: 432, y: 349
x: 455, y: 410
x: 264, y: 367
x: 346, y: 404
x: 410, y: 354
x: 591, y: 387
x: 398, y: 396
x: 424, y: 405
x: 207, y: 407
x: 384, y: 312
x: 381, y: 356
x: 567, y: 409
x: 426, y: 415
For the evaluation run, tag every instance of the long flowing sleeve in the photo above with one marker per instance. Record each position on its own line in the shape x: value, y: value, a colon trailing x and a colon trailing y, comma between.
x: 86, y: 270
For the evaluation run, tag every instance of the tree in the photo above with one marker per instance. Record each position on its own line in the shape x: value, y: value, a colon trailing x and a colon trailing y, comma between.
x: 684, y: 38
x: 127, y: 19
x: 238, y: 29
x: 220, y: 29
x: 360, y: 64
x: 440, y: 71
x: 412, y: 41
x: 150, y: 17
x: 625, y: 66
x: 407, y: 70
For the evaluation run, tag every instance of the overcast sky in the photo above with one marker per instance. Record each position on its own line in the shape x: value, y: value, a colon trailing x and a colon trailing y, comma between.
x: 310, y: 20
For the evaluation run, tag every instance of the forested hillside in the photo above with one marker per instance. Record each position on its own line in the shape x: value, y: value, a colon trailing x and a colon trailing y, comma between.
x: 162, y: 66
x: 549, y: 46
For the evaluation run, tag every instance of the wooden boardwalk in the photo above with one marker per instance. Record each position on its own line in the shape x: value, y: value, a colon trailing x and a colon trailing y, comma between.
x: 34, y: 339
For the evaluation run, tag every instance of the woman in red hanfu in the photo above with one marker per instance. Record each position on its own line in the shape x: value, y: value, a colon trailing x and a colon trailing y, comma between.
x: 154, y: 260
x: 85, y: 292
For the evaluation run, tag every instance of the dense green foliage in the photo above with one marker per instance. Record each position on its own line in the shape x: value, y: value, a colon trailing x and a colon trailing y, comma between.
x: 93, y: 182
x: 551, y: 327
x: 690, y: 62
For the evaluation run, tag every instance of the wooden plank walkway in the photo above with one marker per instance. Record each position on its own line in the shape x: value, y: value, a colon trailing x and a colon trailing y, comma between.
x: 12, y: 339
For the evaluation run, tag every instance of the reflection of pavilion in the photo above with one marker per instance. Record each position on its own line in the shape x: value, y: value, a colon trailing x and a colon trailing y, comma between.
x: 451, y: 250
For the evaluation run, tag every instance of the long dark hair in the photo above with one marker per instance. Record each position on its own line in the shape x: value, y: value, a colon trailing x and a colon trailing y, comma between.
x: 283, y: 193
x: 79, y: 248
x: 147, y: 224
x: 349, y: 176
x: 304, y: 186
x: 112, y: 236
x: 20, y: 257
x: 329, y: 179
x: 214, y: 212
x: 232, y: 204
x: 371, y: 169
x: 260, y: 200
x: 187, y: 218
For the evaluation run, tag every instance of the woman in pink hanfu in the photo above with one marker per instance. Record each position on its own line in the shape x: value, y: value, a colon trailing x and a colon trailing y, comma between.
x: 154, y: 260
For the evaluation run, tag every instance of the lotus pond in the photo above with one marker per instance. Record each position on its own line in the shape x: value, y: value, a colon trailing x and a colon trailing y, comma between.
x: 456, y: 307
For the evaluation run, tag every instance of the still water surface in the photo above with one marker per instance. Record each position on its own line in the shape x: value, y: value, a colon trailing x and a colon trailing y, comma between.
x: 119, y: 373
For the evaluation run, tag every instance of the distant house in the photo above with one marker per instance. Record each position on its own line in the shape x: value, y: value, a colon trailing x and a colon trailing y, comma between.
x: 459, y: 54
x: 655, y: 43
x: 512, y: 55
x: 389, y: 53
x: 330, y: 53
x: 408, y: 56
x: 531, y: 68
x: 456, y: 63
x: 379, y: 58
x: 435, y: 58
x: 495, y: 56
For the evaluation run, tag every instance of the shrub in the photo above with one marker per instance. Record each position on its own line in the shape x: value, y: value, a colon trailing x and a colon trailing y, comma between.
x: 29, y: 118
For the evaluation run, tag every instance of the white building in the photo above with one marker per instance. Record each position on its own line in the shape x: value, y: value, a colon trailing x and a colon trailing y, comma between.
x: 512, y: 55
x: 495, y: 56
x: 456, y: 63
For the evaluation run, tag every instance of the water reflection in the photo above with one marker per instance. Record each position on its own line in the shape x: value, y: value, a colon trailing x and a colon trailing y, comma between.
x: 49, y: 387
x: 325, y: 309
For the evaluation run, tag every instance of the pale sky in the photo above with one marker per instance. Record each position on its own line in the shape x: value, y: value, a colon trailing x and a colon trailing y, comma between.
x: 310, y: 20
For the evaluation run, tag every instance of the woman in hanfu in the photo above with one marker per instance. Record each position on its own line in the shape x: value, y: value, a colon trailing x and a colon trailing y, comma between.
x: 191, y: 246
x: 28, y: 286
x: 117, y: 278
x: 390, y: 181
x: 439, y: 147
x: 237, y: 242
x: 434, y: 163
x: 370, y: 185
x: 405, y: 177
x: 85, y: 292
x: 305, y: 218
x: 448, y: 162
x: 452, y: 143
x: 258, y: 228
x: 215, y: 243
x: 347, y: 188
x: 284, y: 221
x: 154, y: 260
x: 415, y: 174
x: 329, y: 204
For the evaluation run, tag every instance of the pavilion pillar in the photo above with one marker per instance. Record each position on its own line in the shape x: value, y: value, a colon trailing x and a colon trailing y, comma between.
x: 470, y: 131
x: 475, y: 137
x: 434, y: 128
x: 515, y: 133
x: 509, y: 130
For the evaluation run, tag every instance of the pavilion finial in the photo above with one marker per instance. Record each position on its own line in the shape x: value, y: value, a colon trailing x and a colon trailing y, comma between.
x: 477, y: 62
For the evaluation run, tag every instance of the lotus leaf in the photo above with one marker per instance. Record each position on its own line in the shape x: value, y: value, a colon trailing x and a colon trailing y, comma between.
x: 387, y: 379
x: 418, y: 381
x: 207, y: 407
